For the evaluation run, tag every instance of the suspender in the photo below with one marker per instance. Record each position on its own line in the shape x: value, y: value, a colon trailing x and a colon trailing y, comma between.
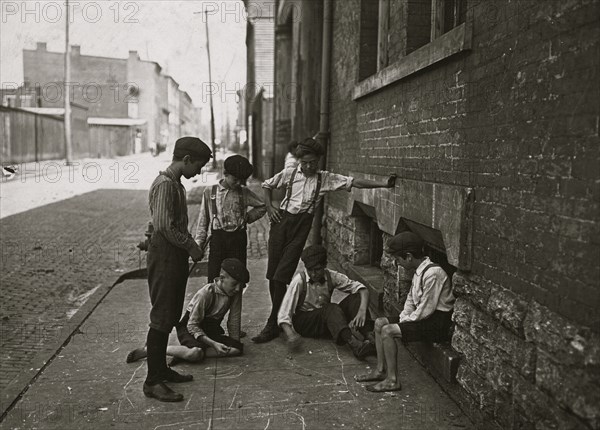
x: 302, y: 296
x: 213, y: 203
x: 288, y: 193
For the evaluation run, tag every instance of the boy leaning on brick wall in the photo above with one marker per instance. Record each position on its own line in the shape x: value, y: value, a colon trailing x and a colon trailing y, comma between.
x: 291, y: 222
x: 427, y: 314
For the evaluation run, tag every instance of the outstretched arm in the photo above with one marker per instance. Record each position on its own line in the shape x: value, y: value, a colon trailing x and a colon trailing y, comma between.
x: 367, y: 183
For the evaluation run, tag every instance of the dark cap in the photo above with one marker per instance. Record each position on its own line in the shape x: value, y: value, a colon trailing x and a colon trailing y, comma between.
x: 313, y: 256
x: 311, y: 145
x: 238, y: 166
x: 236, y: 270
x: 193, y: 147
x: 404, y: 242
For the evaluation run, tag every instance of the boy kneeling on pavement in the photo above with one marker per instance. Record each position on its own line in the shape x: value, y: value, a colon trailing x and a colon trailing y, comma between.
x: 427, y: 314
x: 199, y: 331
x: 307, y: 309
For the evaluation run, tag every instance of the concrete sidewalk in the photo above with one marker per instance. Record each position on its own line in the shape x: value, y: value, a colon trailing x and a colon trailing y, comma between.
x: 88, y: 385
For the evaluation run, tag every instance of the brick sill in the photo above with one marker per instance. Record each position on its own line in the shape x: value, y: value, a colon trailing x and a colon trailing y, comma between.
x: 454, y: 41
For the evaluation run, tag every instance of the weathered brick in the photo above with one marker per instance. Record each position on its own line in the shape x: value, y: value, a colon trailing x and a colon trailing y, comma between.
x: 508, y: 308
x: 576, y: 389
x: 566, y: 341
x: 471, y: 288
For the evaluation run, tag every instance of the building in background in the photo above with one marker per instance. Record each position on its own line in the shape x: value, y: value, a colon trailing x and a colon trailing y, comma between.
x: 259, y: 90
x: 131, y: 105
x: 488, y: 112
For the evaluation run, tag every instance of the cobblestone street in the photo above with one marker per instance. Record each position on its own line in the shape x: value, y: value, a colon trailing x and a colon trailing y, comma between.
x: 55, y: 257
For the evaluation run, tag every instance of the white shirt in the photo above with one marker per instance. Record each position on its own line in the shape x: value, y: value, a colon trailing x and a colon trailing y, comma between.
x: 317, y: 294
x: 429, y: 291
x: 303, y: 188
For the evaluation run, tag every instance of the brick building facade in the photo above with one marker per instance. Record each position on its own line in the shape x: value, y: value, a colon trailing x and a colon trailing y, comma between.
x: 113, y: 88
x: 488, y: 112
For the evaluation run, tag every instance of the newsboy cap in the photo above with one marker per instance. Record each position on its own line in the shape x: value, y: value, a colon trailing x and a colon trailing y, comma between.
x: 193, y: 147
x: 311, y: 145
x: 238, y: 166
x: 404, y: 242
x: 313, y: 256
x: 236, y: 270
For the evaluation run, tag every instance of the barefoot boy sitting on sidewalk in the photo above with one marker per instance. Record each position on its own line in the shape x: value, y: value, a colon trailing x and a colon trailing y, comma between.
x: 427, y: 313
x: 199, y: 331
x: 307, y: 307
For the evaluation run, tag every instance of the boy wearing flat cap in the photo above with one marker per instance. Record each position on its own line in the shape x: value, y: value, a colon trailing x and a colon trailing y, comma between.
x: 199, y: 331
x: 169, y: 249
x: 427, y: 314
x: 305, y: 187
x: 224, y: 216
x: 307, y: 309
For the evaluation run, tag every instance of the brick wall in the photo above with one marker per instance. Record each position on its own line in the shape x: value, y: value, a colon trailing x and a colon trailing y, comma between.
x: 517, y: 119
x: 98, y: 83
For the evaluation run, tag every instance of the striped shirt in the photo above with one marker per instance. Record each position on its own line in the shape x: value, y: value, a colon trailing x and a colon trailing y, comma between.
x: 303, y: 188
x: 168, y: 209
x: 211, y: 302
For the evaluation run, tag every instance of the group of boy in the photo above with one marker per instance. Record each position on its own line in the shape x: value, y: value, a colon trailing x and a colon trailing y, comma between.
x: 301, y: 301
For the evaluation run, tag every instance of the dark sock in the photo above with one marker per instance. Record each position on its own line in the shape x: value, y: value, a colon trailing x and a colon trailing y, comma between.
x: 277, y: 290
x: 345, y: 335
x: 157, y: 355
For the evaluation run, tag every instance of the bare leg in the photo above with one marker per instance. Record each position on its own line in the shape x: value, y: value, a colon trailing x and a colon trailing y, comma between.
x: 185, y: 353
x: 379, y: 373
x: 391, y: 382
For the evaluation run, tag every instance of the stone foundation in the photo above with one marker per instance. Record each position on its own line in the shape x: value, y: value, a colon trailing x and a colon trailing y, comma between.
x: 524, y: 366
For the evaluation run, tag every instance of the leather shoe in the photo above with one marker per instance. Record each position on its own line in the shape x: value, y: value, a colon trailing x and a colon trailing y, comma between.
x: 267, y: 334
x: 162, y: 393
x: 172, y: 376
x: 361, y: 349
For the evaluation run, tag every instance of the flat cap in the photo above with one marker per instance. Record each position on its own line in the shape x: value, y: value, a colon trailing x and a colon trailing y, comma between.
x: 311, y: 145
x: 236, y: 270
x: 238, y: 166
x: 404, y: 242
x: 193, y: 147
x: 313, y: 256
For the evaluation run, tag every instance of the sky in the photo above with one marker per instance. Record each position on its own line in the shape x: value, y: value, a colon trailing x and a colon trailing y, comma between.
x: 168, y: 32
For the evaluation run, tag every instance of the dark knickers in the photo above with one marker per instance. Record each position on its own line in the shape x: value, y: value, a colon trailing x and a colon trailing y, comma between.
x: 167, y: 280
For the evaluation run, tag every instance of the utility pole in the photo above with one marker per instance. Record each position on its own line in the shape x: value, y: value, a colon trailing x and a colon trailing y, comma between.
x: 212, y: 113
x: 68, y: 147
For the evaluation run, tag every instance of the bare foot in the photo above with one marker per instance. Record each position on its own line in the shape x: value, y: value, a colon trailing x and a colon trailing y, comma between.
x: 373, y: 375
x: 136, y: 354
x: 385, y: 385
x: 294, y: 342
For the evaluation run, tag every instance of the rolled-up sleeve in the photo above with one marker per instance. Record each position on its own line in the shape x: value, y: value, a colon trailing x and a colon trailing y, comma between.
x: 258, y: 206
x: 334, y: 182
x: 202, y: 224
x: 290, y: 300
x: 344, y: 283
x: 277, y: 181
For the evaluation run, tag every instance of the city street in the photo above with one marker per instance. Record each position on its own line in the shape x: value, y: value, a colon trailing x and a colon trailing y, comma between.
x: 66, y: 332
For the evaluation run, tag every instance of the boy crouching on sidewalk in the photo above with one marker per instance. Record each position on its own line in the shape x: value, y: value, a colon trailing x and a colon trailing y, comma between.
x: 199, y: 331
x: 427, y: 314
x: 307, y: 309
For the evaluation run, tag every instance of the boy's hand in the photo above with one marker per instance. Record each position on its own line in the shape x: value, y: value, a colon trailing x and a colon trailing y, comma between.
x: 197, y: 254
x: 391, y: 182
x: 274, y: 214
x: 359, y: 320
x: 221, y: 349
